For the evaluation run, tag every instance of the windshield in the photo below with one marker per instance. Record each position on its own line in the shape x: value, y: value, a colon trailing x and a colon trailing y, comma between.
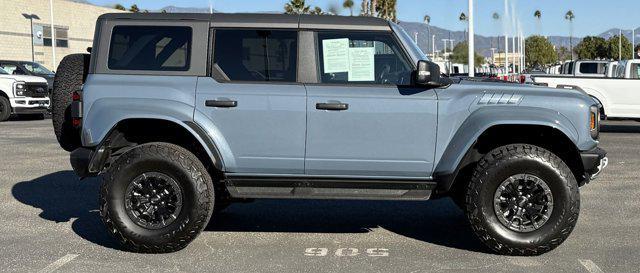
x: 36, y: 68
x: 2, y: 71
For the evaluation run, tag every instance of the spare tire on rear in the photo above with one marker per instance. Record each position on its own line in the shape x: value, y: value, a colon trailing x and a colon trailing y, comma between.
x: 71, y: 74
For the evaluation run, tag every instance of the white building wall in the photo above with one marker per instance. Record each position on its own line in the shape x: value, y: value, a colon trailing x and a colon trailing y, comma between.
x: 15, y: 29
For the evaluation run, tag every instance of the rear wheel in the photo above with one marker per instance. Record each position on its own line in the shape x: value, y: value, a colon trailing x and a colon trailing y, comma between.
x: 156, y: 198
x: 70, y: 77
x: 5, y: 109
x: 522, y: 200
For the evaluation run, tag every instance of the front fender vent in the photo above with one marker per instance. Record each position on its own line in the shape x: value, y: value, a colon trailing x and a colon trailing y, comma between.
x: 499, y: 98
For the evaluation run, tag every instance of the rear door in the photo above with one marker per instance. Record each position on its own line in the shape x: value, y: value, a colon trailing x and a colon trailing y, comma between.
x: 364, y: 116
x: 252, y: 105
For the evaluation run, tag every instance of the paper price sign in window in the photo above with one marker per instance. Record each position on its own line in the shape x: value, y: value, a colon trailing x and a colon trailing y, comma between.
x: 336, y: 55
x: 362, y: 64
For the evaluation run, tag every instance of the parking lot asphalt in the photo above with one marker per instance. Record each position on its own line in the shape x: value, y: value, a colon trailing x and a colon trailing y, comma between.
x: 49, y: 221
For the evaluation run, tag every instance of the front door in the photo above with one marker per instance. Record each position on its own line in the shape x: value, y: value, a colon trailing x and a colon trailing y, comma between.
x: 364, y: 118
x: 254, y: 109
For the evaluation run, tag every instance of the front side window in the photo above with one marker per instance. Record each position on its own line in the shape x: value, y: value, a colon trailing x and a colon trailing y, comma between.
x: 362, y: 58
x: 257, y: 55
x: 150, y: 48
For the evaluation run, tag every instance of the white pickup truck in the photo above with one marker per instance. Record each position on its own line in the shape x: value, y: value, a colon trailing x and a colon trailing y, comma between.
x: 619, y: 96
x: 20, y: 94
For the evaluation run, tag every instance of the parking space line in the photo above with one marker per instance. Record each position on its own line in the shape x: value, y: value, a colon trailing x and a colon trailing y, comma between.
x: 59, y: 263
x: 591, y: 266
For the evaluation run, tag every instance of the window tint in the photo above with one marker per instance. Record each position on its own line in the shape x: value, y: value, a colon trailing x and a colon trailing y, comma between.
x: 592, y: 68
x: 635, y: 71
x: 257, y: 55
x: 150, y: 48
x: 362, y: 58
x: 12, y: 69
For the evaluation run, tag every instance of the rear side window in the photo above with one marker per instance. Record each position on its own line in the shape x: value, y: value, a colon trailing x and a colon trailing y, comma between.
x: 150, y: 48
x: 592, y: 68
x: 257, y: 55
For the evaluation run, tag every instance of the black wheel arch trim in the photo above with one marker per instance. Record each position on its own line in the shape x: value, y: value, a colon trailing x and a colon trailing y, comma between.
x: 91, y: 161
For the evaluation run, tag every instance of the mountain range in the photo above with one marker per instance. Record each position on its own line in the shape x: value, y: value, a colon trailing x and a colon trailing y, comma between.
x: 484, y: 44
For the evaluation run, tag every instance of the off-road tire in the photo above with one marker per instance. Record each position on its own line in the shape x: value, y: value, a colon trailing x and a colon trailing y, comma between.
x: 71, y: 74
x: 5, y: 109
x: 188, y: 172
x: 500, y: 164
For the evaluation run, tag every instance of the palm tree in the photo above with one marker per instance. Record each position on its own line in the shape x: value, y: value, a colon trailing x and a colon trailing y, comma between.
x: 496, y: 18
x: 386, y: 9
x: 538, y: 15
x: 463, y: 19
x: 569, y: 16
x: 134, y: 8
x: 296, y: 7
x: 348, y: 4
x: 317, y: 11
x: 427, y: 21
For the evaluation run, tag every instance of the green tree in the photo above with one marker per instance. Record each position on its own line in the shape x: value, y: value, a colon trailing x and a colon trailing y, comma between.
x: 460, y: 54
x: 134, y: 8
x: 614, y: 48
x: 562, y: 52
x: 348, y: 4
x: 539, y: 52
x: 592, y: 47
x: 119, y: 7
x: 296, y: 7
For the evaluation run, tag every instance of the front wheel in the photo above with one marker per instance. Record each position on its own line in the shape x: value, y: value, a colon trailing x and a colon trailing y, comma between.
x: 522, y: 200
x: 156, y: 198
x: 5, y: 109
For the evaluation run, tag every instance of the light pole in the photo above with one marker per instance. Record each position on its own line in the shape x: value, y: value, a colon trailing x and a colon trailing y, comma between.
x: 506, y: 39
x: 633, y: 43
x: 433, y: 46
x: 620, y: 46
x: 471, y: 40
x: 31, y: 17
x: 53, y: 37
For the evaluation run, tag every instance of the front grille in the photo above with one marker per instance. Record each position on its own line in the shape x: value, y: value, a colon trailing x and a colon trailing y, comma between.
x: 36, y: 90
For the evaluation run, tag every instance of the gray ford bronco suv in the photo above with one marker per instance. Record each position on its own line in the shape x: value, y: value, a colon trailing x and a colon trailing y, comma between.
x: 184, y: 114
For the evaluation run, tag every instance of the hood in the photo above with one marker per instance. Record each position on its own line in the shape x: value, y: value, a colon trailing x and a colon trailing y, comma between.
x: 24, y: 78
x: 495, y: 85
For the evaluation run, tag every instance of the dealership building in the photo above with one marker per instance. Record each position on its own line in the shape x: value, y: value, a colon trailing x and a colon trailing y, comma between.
x: 26, y: 34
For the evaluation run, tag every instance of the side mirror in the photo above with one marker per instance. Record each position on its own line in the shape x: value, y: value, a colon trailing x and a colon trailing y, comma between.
x: 428, y: 73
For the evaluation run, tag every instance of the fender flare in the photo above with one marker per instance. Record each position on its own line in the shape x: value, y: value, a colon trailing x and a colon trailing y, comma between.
x: 109, y: 113
x: 460, y: 147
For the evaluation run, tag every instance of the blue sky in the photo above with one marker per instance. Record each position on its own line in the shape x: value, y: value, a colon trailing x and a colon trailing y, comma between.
x: 592, y: 16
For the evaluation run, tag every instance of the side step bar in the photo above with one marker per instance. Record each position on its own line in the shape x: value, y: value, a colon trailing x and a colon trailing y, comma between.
x: 328, y: 188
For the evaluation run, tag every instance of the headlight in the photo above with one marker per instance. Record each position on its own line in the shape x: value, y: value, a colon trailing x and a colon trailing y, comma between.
x: 20, y: 89
x: 594, y: 121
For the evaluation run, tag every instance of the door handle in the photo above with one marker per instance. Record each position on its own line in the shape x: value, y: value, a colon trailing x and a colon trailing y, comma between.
x: 221, y: 103
x: 332, y: 106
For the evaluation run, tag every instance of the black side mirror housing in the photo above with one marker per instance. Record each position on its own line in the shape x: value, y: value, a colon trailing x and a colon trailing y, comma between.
x: 428, y: 73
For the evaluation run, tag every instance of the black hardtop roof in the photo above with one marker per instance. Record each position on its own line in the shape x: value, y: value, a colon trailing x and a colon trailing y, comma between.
x: 262, y: 20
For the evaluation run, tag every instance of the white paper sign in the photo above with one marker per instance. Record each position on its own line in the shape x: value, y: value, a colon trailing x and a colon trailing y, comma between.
x: 362, y: 64
x: 336, y: 55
